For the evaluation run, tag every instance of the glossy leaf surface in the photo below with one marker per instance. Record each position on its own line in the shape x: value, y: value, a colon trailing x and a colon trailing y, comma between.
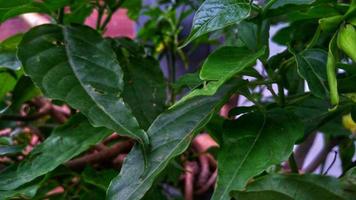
x: 251, y: 144
x: 82, y: 71
x: 170, y: 135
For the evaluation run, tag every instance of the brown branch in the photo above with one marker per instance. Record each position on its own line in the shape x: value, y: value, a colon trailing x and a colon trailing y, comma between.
x: 100, y: 156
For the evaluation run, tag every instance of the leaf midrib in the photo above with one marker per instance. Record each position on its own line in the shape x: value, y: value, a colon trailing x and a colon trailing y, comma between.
x: 244, y: 159
x: 170, y: 153
x: 70, y: 62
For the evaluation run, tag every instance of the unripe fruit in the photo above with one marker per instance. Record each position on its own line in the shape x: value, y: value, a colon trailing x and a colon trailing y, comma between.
x: 349, y: 123
x: 346, y: 41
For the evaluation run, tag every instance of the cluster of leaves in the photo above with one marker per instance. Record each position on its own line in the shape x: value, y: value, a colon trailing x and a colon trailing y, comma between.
x: 116, y: 85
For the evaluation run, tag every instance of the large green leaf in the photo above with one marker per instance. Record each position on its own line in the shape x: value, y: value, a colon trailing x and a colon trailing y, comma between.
x: 296, y: 187
x: 65, y: 143
x: 145, y: 86
x: 251, y: 144
x: 315, y: 114
x: 254, y: 35
x: 170, y: 135
x: 218, y: 14
x: 223, y: 64
x: 228, y: 61
x: 311, y: 65
x: 76, y: 65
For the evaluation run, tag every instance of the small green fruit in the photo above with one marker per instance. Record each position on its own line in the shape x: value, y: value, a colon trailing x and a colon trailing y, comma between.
x: 346, y: 41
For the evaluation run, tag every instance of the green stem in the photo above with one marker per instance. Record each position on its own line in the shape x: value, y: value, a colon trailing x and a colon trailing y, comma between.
x: 267, y: 6
x: 60, y: 16
x: 106, y: 21
x: 100, y: 16
x: 281, y: 95
x: 293, y: 164
x: 172, y: 73
x: 261, y: 82
x: 111, y: 11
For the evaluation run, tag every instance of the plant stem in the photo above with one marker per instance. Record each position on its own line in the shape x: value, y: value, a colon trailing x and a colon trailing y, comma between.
x: 293, y: 164
x: 281, y: 95
x: 267, y: 6
x: 106, y: 21
x: 60, y: 16
x: 100, y: 16
x: 172, y: 73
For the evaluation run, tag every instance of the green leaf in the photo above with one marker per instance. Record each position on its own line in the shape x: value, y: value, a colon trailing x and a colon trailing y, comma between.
x: 265, y: 195
x: 170, y: 136
x: 228, y: 61
x: 143, y: 79
x: 306, y: 187
x: 5, y: 150
x: 281, y: 3
x: 133, y: 7
x: 222, y: 65
x: 24, y: 91
x: 7, y: 83
x: 76, y: 65
x: 100, y: 179
x: 330, y: 23
x: 252, y: 143
x: 254, y: 35
x: 27, y: 191
x: 315, y: 115
x: 189, y: 80
x: 79, y: 11
x: 9, y: 9
x: 313, y: 12
x: 8, y: 52
x: 311, y: 65
x: 349, y: 180
x: 66, y: 142
x: 217, y: 14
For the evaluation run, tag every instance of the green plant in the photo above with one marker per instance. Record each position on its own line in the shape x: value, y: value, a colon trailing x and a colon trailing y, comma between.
x: 68, y: 87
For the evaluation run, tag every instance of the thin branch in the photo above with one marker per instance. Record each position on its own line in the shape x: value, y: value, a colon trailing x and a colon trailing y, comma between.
x: 293, y: 164
x: 100, y: 156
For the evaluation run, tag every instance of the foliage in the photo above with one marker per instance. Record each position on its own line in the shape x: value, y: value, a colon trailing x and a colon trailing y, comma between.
x: 85, y: 116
